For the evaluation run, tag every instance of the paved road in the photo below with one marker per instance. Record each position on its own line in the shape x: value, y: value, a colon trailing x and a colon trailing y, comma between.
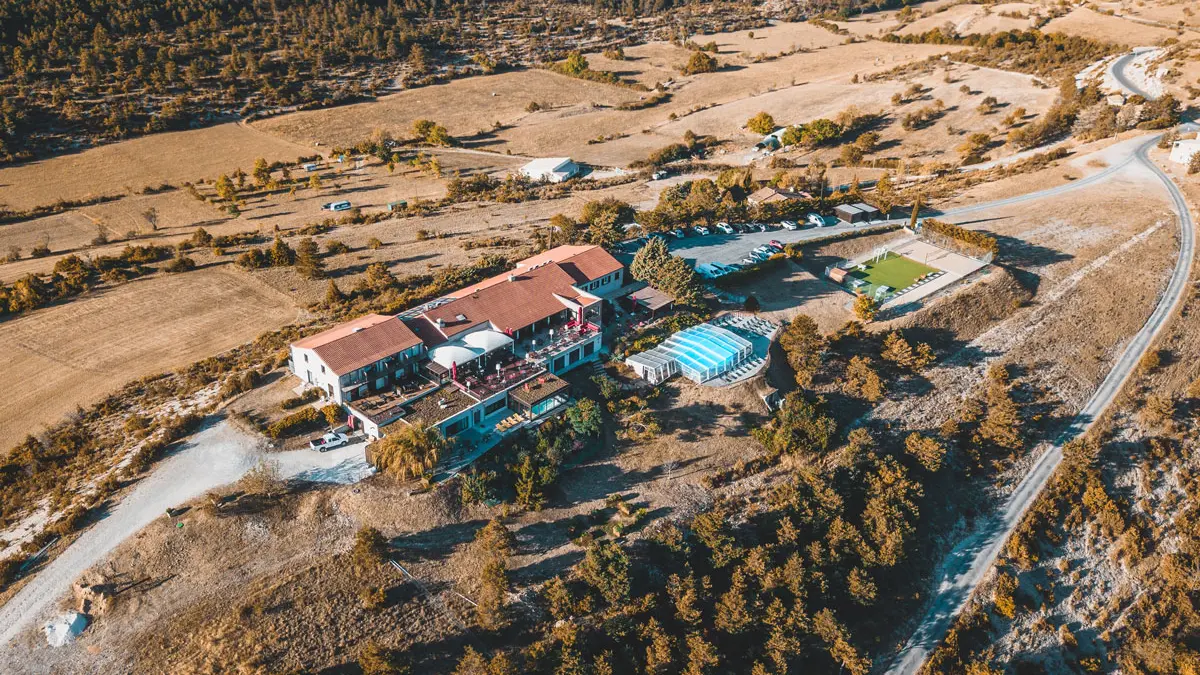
x: 970, y: 561
x: 1118, y: 71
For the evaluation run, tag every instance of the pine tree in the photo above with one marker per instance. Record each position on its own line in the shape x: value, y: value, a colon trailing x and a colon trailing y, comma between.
x: 1002, y: 425
x: 804, y: 346
x: 333, y: 295
x: 225, y: 189
x: 494, y: 587
x: 262, y: 172
x: 926, y: 450
x: 308, y: 259
x: 897, y: 350
x: 282, y: 255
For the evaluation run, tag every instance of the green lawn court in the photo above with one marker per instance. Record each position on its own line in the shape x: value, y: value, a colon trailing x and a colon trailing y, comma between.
x: 894, y: 270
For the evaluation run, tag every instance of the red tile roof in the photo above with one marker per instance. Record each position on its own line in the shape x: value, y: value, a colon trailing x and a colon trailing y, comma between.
x: 340, y: 331
x: 528, y: 297
x: 365, y: 346
x: 583, y: 263
x: 519, y: 298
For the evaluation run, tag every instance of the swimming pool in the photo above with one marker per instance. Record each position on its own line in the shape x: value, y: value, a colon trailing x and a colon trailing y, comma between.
x: 701, y: 353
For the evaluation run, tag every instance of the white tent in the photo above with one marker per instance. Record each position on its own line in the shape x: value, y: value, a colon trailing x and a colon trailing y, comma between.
x: 487, y: 340
x: 447, y: 356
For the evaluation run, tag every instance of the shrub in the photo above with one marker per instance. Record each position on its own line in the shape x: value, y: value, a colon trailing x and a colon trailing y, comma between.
x: 762, y: 123
x: 700, y: 62
x: 295, y: 423
x: 311, y: 394
x: 370, y: 549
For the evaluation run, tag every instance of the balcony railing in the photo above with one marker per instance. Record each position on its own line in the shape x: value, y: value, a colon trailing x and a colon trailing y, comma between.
x: 566, y: 338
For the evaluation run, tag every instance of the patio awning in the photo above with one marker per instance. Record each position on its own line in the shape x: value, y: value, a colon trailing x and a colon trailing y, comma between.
x: 448, y: 355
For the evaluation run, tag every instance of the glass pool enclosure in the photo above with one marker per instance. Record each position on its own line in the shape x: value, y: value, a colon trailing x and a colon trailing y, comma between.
x: 701, y: 353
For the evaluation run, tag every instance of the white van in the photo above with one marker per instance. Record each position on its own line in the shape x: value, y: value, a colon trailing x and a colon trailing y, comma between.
x: 337, y: 206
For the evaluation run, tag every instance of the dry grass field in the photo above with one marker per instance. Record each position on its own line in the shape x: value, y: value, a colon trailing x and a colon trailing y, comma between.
x: 132, y: 165
x: 74, y: 354
x: 465, y: 107
x: 581, y: 111
x: 967, y: 19
x: 1087, y: 23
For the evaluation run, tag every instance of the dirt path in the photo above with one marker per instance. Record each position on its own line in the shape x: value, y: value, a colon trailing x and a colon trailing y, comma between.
x: 969, y: 562
x: 218, y: 455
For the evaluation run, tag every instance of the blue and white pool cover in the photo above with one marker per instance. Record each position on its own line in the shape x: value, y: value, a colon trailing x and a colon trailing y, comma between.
x: 701, y: 353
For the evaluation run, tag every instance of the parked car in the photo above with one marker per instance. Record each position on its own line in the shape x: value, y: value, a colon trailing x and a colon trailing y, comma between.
x: 700, y: 229
x: 336, y: 206
x: 724, y: 227
x: 776, y: 244
x: 749, y: 261
x: 764, y: 249
x: 678, y: 234
x: 656, y: 235
x: 328, y: 442
x: 816, y: 219
x: 789, y: 225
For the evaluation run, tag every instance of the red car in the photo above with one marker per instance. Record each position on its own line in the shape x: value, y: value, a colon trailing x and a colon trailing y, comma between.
x: 776, y: 244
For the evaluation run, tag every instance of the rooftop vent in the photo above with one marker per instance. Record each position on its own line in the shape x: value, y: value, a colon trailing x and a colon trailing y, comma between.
x: 460, y: 317
x: 357, y: 329
x: 512, y: 277
x: 441, y: 323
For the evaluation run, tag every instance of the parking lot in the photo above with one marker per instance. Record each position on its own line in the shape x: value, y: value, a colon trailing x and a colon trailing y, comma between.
x: 730, y: 249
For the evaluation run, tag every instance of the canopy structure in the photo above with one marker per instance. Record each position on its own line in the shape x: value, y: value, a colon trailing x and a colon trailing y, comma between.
x: 448, y: 356
x: 487, y: 340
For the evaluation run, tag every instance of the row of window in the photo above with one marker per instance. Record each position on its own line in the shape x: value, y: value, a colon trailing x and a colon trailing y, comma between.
x: 603, y: 281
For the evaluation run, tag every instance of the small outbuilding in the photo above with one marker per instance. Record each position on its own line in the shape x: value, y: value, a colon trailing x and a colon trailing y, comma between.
x: 650, y: 299
x: 837, y: 275
x: 1183, y: 151
x: 857, y: 213
x: 551, y: 169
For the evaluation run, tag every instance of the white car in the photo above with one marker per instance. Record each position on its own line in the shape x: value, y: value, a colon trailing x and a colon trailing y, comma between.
x: 749, y: 261
x: 816, y: 219
x: 789, y: 225
x: 724, y: 227
x: 700, y: 229
x: 328, y: 442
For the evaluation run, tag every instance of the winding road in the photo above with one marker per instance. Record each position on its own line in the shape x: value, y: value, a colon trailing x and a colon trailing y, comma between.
x: 1118, y: 72
x: 966, y: 566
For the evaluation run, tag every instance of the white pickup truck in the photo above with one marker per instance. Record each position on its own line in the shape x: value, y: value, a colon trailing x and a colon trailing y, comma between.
x: 328, y: 442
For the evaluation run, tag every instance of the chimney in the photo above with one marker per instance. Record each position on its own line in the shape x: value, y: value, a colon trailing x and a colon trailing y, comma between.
x: 512, y: 277
x: 441, y: 323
